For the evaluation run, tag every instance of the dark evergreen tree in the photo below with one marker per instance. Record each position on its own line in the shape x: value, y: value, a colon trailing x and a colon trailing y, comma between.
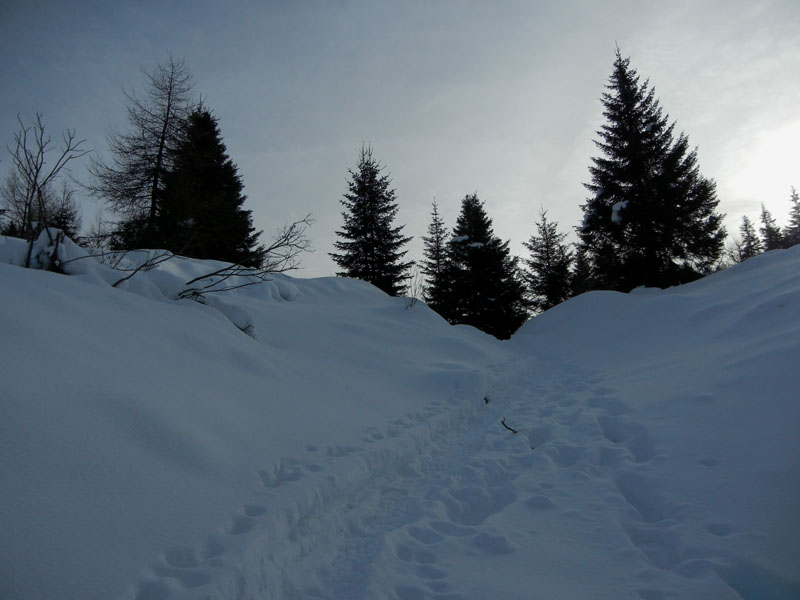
x: 651, y: 219
x: 434, y: 265
x: 770, y: 232
x: 581, y: 277
x: 484, y: 286
x: 370, y: 247
x: 201, y: 210
x: 750, y: 243
x: 792, y: 231
x: 548, y: 273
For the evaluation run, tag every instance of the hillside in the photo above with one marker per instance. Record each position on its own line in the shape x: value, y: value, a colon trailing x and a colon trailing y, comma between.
x: 352, y: 446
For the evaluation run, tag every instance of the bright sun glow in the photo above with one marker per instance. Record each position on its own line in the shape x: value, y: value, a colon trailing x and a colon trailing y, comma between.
x: 765, y: 171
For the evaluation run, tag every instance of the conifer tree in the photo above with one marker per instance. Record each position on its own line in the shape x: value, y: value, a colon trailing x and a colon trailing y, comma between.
x: 370, y: 247
x: 548, y: 273
x: 201, y: 213
x: 770, y: 232
x: 434, y: 265
x: 581, y: 277
x: 484, y: 284
x: 750, y: 244
x: 792, y: 232
x: 651, y: 219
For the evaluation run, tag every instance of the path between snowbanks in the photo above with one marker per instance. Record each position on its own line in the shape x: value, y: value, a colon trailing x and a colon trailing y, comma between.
x: 151, y: 449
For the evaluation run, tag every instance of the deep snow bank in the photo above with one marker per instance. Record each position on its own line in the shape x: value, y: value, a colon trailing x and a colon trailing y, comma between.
x: 149, y: 449
x: 710, y: 369
x: 133, y: 424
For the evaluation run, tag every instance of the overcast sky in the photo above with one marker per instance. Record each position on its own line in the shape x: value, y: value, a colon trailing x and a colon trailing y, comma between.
x: 499, y: 98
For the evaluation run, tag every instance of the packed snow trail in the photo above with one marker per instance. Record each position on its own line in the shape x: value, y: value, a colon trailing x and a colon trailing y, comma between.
x: 458, y: 507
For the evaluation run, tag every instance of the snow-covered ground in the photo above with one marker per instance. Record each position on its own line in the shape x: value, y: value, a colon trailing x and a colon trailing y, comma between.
x: 355, y: 447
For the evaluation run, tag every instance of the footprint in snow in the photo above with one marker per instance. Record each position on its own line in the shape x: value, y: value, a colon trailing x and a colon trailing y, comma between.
x: 280, y: 474
x: 181, y: 557
x: 493, y: 544
x: 340, y: 451
x: 240, y: 525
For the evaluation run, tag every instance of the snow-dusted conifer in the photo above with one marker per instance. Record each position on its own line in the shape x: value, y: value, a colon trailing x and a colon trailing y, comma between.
x: 484, y: 284
x: 651, y: 218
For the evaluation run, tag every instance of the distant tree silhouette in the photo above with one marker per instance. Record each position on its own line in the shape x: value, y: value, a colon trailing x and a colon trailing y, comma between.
x: 792, y: 232
x: 770, y: 232
x: 651, y: 218
x: 435, y: 263
x: 548, y: 268
x: 370, y: 247
x: 748, y: 245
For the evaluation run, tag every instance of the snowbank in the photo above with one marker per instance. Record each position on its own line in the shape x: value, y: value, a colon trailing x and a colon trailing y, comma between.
x: 351, y: 447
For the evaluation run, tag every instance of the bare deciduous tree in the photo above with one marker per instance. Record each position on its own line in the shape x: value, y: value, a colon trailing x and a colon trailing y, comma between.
x: 133, y: 179
x: 29, y: 189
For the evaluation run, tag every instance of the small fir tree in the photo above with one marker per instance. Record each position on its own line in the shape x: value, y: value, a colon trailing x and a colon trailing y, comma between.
x: 792, y: 232
x: 770, y: 232
x: 485, y: 288
x: 370, y: 247
x: 651, y: 219
x: 548, y: 273
x: 202, y: 207
x: 750, y: 243
x: 434, y: 265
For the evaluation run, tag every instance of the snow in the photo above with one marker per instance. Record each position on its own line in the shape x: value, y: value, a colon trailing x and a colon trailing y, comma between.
x: 459, y: 238
x: 352, y: 446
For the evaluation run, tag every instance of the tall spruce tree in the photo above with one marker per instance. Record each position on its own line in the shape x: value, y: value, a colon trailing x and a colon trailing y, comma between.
x: 792, y: 231
x: 484, y: 286
x: 770, y: 232
x: 435, y: 263
x: 201, y: 210
x: 548, y: 272
x: 371, y: 246
x: 651, y: 219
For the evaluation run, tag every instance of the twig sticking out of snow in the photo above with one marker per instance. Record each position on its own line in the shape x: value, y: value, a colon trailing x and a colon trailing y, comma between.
x: 511, y: 429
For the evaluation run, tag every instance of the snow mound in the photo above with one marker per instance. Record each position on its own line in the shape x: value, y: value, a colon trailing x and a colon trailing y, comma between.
x: 352, y: 446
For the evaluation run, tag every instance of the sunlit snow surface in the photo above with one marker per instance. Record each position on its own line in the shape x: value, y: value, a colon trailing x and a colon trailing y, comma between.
x: 151, y: 450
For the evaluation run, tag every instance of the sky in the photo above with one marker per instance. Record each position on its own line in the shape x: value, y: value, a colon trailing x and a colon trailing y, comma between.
x: 455, y: 97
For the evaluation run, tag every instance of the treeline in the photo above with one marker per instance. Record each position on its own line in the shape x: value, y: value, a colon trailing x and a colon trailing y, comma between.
x: 650, y: 219
x: 769, y: 236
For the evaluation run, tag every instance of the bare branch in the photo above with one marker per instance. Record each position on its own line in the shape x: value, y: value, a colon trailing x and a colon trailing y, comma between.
x: 151, y: 263
x: 511, y: 429
x: 35, y: 176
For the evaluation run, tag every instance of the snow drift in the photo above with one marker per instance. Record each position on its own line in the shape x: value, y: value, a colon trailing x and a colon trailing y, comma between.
x: 351, y: 447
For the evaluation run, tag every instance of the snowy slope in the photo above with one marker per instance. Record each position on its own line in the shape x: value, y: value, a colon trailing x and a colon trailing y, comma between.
x: 149, y: 449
